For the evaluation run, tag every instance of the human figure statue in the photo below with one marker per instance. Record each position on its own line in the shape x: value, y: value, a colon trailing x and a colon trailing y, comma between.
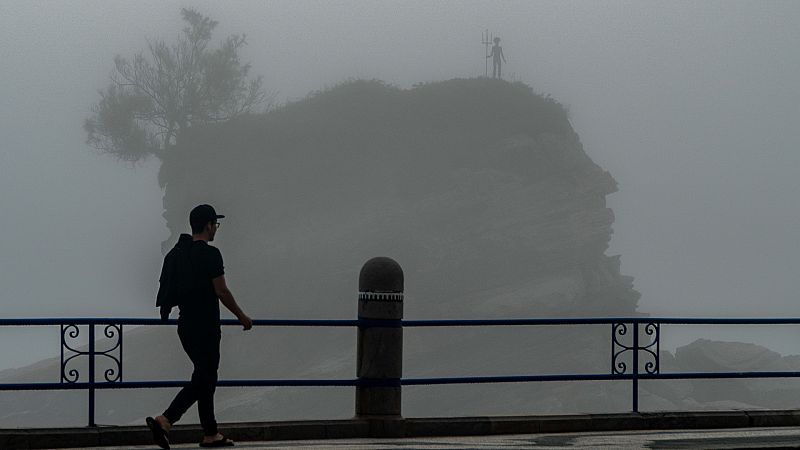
x: 194, y: 269
x: 496, y: 55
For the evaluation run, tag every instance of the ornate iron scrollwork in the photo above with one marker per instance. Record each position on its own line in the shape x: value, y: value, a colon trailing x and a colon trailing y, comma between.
x: 70, y: 331
x: 114, y: 373
x: 651, y: 329
x: 618, y: 330
x: 620, y: 350
x: 71, y: 351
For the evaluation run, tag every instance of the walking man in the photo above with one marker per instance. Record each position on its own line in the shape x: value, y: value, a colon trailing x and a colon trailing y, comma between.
x: 199, y: 327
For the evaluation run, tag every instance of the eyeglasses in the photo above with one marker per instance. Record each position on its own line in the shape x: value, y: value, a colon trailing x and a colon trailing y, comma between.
x: 217, y: 224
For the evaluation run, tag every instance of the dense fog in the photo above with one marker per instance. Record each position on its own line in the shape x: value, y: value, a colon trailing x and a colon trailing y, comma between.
x: 692, y: 107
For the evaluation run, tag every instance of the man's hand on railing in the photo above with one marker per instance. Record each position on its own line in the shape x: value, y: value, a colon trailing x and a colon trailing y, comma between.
x: 247, y: 322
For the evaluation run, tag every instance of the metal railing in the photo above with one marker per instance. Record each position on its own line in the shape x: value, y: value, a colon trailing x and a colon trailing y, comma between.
x: 634, y: 339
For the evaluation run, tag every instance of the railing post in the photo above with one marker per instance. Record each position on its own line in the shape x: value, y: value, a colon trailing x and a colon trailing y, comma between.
x: 635, y: 368
x: 380, y: 339
x: 91, y: 375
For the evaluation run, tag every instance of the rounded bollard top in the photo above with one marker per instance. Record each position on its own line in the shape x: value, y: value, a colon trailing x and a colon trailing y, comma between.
x: 381, y: 274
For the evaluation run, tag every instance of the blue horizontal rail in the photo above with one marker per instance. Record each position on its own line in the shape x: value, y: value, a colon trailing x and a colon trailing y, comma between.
x: 136, y: 321
x: 177, y: 384
x: 625, y: 343
x: 421, y: 323
x: 403, y: 382
x: 595, y: 377
x: 602, y: 321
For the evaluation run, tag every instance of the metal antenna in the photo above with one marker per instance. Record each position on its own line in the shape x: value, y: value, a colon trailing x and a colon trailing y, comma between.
x: 486, y: 40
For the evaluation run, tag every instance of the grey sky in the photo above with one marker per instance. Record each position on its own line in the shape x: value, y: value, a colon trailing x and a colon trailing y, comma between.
x: 692, y: 106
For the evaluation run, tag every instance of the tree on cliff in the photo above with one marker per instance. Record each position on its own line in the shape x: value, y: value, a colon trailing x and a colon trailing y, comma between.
x: 170, y: 87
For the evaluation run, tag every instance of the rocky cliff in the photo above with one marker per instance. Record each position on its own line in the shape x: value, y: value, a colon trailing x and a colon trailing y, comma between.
x: 472, y: 185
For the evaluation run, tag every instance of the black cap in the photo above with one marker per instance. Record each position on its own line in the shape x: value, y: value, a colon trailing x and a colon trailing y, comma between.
x: 202, y: 214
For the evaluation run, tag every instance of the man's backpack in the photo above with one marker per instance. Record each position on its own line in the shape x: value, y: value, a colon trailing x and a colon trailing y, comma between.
x: 175, y: 282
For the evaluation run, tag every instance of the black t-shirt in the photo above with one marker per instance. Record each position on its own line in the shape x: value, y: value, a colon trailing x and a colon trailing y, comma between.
x: 202, y: 306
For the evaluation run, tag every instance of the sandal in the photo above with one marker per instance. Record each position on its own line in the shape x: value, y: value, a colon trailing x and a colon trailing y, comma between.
x: 159, y: 434
x: 224, y: 442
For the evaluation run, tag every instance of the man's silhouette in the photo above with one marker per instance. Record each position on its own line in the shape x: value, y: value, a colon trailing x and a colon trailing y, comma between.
x: 497, y: 55
x: 199, y: 329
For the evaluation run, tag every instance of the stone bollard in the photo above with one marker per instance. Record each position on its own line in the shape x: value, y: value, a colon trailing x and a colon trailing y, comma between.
x: 380, y: 344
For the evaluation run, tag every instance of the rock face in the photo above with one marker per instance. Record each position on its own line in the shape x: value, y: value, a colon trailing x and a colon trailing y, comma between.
x: 479, y: 188
x: 474, y: 186
x: 713, y: 356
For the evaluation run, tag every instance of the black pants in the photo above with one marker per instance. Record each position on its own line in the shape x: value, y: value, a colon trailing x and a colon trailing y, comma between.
x: 201, y: 343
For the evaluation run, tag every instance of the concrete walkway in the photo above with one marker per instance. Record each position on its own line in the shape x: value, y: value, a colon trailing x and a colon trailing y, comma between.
x: 788, y: 437
x: 723, y: 429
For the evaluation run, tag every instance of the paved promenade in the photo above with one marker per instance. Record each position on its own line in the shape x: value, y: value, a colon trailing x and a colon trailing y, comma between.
x: 704, y: 429
x: 781, y: 437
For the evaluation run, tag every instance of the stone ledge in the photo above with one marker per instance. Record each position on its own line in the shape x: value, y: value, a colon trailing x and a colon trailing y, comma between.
x: 38, y: 438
